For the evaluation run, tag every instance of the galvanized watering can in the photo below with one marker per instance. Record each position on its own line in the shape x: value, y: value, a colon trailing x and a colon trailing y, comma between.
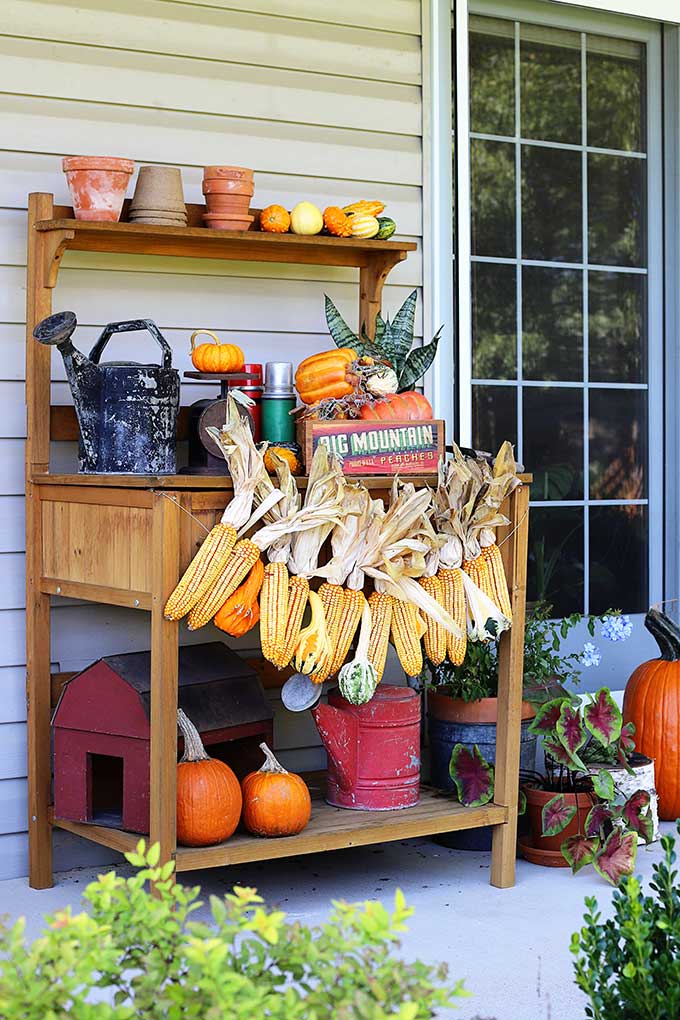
x: 127, y: 412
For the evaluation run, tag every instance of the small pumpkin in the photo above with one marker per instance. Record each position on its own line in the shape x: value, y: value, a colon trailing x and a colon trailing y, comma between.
x: 275, y: 802
x: 364, y: 206
x: 215, y: 356
x: 241, y: 611
x: 337, y: 222
x: 408, y: 406
x: 290, y: 457
x: 364, y: 225
x: 209, y: 798
x: 306, y: 218
x: 326, y: 374
x: 275, y: 219
x: 387, y: 228
x: 652, y: 703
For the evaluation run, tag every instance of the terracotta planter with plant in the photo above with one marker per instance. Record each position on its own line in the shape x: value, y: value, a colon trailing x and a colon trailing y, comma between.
x: 97, y: 185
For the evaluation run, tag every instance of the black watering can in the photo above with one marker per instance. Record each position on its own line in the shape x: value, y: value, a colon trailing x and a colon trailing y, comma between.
x: 127, y: 412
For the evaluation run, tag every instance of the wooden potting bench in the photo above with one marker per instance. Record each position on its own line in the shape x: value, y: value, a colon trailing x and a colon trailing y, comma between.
x: 123, y: 540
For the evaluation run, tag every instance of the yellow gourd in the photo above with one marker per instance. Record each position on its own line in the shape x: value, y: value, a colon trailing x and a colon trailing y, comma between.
x: 364, y: 225
x: 372, y: 208
x: 306, y: 218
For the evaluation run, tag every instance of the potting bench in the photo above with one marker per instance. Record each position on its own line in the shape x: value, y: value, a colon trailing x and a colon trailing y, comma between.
x: 124, y: 540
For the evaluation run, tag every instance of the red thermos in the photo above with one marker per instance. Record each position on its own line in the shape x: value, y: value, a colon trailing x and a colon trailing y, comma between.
x: 253, y: 388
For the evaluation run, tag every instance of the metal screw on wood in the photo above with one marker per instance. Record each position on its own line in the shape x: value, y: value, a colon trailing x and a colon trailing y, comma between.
x: 136, y: 602
x: 58, y: 589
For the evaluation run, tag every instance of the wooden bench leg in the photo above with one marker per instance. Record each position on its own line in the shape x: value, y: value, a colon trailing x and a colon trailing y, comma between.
x: 510, y: 677
x: 164, y: 652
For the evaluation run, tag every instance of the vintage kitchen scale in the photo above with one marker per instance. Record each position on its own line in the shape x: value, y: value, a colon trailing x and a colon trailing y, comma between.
x: 205, y: 456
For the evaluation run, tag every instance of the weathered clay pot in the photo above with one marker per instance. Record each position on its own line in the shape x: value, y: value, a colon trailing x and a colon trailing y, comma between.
x: 97, y: 185
x: 235, y: 205
x: 548, y: 847
x: 158, y: 189
x: 227, y: 221
x: 223, y: 186
x: 236, y: 173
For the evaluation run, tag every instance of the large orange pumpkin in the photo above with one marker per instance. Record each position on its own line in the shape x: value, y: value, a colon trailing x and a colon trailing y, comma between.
x: 241, y: 611
x: 275, y: 802
x: 208, y: 793
x: 326, y: 375
x: 652, y: 703
x: 215, y: 356
x: 408, y: 406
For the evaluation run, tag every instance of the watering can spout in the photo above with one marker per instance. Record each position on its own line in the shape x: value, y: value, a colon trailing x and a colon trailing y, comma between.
x: 338, y: 731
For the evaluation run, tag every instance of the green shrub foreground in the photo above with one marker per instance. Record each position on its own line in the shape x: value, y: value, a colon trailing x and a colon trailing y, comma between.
x: 135, y: 956
x: 629, y: 965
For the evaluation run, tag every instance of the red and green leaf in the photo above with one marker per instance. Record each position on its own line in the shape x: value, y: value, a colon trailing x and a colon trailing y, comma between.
x: 636, y: 815
x: 570, y: 729
x: 602, y: 717
x: 580, y: 850
x: 603, y: 785
x: 556, y: 815
x: 472, y: 775
x: 617, y: 857
x: 553, y: 749
x: 628, y: 737
x: 546, y: 717
x: 598, y: 816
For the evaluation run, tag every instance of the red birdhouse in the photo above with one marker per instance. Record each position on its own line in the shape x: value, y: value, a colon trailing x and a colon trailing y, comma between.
x: 102, y: 732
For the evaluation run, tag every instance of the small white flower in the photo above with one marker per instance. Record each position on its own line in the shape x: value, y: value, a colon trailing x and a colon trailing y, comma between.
x: 616, y: 628
x: 590, y: 655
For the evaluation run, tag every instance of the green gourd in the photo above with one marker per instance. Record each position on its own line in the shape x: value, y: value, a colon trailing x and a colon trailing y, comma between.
x: 387, y: 227
x: 358, y: 679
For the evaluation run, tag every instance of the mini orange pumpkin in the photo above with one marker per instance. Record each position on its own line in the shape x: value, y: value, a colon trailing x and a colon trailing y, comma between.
x: 275, y: 219
x: 216, y: 356
x: 241, y: 611
x: 209, y: 798
x: 326, y: 375
x: 275, y: 802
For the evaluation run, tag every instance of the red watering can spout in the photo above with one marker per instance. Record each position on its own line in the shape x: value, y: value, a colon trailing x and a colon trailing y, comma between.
x: 338, y: 731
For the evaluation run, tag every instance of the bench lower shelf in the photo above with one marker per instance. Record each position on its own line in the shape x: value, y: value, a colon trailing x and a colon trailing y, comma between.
x: 330, y: 828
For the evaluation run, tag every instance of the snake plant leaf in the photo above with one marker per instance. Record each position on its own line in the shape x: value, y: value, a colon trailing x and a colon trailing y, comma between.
x: 380, y: 325
x: 617, y: 857
x: 418, y: 362
x: 556, y: 815
x: 635, y: 813
x: 401, y: 331
x: 339, y: 330
x: 580, y: 850
x: 602, y: 718
x: 603, y: 785
x: 598, y: 816
x: 472, y: 776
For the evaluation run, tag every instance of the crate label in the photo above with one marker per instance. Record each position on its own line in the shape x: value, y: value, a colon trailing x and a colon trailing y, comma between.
x: 409, y: 447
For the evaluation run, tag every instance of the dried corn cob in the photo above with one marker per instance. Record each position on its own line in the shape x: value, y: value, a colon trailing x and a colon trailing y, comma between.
x: 202, y: 572
x: 478, y: 571
x: 332, y: 599
x: 501, y: 596
x: 273, y: 610
x: 453, y: 600
x: 435, y: 635
x: 242, y: 559
x: 406, y: 630
x: 298, y: 595
x: 381, y: 621
x: 350, y: 617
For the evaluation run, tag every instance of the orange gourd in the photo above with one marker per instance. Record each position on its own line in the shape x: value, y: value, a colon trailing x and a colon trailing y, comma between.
x: 241, y: 611
x: 290, y: 457
x: 216, y: 356
x: 209, y: 797
x: 275, y: 802
x: 326, y: 375
x: 337, y: 222
x: 652, y: 704
x: 409, y: 406
x: 275, y: 219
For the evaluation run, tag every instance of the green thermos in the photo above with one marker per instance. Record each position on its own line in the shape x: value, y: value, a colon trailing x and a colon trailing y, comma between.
x: 278, y: 400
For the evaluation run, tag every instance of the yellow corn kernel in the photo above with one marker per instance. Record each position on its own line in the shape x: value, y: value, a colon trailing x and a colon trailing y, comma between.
x: 298, y: 596
x: 243, y: 557
x: 407, y: 630
x: 332, y: 599
x: 453, y: 600
x: 478, y: 571
x: 350, y: 618
x: 202, y: 572
x: 501, y: 597
x: 273, y: 610
x: 435, y: 635
x: 380, y: 605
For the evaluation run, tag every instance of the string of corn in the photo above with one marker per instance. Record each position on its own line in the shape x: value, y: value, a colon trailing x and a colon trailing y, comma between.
x: 435, y: 635
x: 453, y: 600
x: 501, y: 596
x: 298, y: 595
x: 407, y: 630
x: 202, y: 572
x: 273, y: 610
x: 380, y: 605
x: 350, y: 618
x: 478, y: 571
x: 332, y: 600
x: 243, y: 557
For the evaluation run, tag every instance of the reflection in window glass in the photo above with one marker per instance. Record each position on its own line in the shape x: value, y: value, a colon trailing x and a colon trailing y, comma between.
x: 494, y: 321
x: 551, y: 205
x: 616, y: 94
x: 555, y: 567
x: 619, y: 558
x: 550, y: 84
x: 618, y: 444
x: 553, y: 441
x: 552, y: 323
x: 615, y: 210
x: 492, y: 77
x: 495, y: 416
x: 616, y: 321
x: 493, y: 197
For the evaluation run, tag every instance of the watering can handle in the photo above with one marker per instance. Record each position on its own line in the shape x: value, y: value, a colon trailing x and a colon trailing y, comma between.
x: 130, y: 326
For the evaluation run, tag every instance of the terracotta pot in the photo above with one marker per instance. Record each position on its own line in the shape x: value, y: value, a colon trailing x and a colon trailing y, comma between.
x: 236, y: 173
x: 231, y: 205
x: 222, y: 186
x: 536, y: 800
x: 225, y: 221
x: 441, y: 706
x: 158, y: 189
x: 97, y: 185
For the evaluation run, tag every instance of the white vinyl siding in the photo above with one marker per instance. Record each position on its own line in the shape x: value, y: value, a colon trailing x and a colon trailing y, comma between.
x: 323, y: 100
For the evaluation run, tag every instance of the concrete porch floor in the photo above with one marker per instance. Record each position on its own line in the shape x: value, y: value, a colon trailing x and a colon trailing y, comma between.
x: 511, y: 946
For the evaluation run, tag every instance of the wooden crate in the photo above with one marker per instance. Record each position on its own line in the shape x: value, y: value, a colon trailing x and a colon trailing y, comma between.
x: 377, y: 447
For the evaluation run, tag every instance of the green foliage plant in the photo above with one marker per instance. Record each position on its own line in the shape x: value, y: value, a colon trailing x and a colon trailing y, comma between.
x: 628, y: 965
x: 140, y: 956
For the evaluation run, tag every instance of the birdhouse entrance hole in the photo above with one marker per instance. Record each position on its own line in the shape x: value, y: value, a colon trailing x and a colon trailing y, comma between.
x: 106, y: 789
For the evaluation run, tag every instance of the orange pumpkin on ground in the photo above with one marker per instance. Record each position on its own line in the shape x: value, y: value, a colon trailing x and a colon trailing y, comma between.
x: 215, y: 356
x: 209, y: 797
x: 275, y: 802
x: 410, y: 406
x: 241, y: 611
x: 652, y: 703
x: 275, y: 219
x: 326, y: 375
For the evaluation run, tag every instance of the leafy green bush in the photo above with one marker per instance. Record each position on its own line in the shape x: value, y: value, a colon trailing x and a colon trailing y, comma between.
x: 136, y: 956
x: 629, y: 966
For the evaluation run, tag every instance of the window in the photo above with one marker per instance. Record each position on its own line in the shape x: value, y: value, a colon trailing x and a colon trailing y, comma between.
x: 565, y: 344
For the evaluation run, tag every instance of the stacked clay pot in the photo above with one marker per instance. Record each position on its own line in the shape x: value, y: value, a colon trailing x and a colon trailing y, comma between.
x: 159, y: 197
x: 228, y: 191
